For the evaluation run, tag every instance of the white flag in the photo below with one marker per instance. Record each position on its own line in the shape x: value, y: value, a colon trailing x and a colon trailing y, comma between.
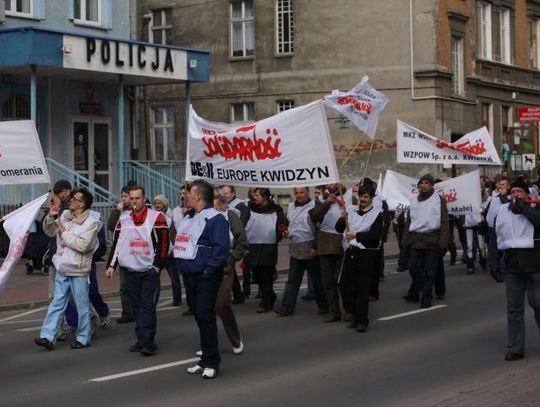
x: 362, y: 105
x: 415, y: 146
x: 462, y: 194
x: 17, y: 224
x: 290, y: 149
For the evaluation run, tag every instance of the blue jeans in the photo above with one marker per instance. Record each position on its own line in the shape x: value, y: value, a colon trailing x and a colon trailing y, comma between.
x: 516, y: 285
x: 423, y: 268
x: 95, y: 299
x: 202, y: 289
x: 63, y: 287
x: 296, y: 274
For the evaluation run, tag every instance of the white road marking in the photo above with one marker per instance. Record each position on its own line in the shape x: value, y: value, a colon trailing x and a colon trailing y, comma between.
x: 406, y: 314
x: 145, y: 370
x: 32, y: 328
x: 22, y: 315
x: 25, y: 321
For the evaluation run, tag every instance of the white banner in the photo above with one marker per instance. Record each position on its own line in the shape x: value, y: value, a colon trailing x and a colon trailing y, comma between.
x: 362, y: 105
x: 21, y: 156
x: 290, y: 149
x: 415, y: 146
x: 17, y: 224
x: 462, y: 194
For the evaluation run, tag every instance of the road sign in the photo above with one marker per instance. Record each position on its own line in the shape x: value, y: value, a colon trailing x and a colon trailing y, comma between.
x: 529, y: 162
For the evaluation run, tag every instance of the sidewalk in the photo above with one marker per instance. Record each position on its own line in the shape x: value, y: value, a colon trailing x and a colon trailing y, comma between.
x: 31, y: 290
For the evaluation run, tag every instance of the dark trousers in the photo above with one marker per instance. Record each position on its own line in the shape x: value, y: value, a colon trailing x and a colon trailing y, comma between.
x: 264, y: 276
x: 143, y: 288
x: 296, y: 274
x: 330, y: 267
x: 423, y: 268
x: 246, y: 279
x: 224, y: 307
x: 176, y: 285
x: 237, y: 292
x: 202, y: 289
x: 378, y: 276
x: 95, y: 299
x: 125, y: 299
x: 359, y: 269
x: 440, y: 279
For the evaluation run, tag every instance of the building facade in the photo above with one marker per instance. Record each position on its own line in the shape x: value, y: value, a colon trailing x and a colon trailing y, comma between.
x: 448, y: 67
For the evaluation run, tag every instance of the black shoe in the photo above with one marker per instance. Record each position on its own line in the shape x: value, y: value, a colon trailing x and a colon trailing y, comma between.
x: 176, y: 303
x: 441, y: 297
x: 187, y: 313
x: 146, y: 351
x: 470, y: 271
x: 425, y: 304
x: 282, y: 312
x: 352, y: 325
x: 78, y: 345
x: 136, y: 347
x: 29, y: 268
x: 409, y: 298
x: 124, y: 319
x: 45, y: 343
x: 512, y: 356
x: 308, y: 297
x: 361, y: 328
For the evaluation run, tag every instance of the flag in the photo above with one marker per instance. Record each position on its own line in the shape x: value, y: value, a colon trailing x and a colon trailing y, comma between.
x: 362, y: 105
x: 290, y: 149
x: 17, y: 225
x: 415, y: 146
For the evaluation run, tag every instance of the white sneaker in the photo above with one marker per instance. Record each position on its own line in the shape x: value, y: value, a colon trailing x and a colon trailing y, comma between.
x: 209, y: 373
x: 198, y: 353
x: 240, y: 348
x: 195, y: 369
x: 104, y: 322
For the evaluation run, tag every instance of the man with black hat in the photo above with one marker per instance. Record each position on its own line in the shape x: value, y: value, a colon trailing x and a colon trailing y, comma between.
x: 426, y: 234
x: 361, y: 241
x: 518, y: 233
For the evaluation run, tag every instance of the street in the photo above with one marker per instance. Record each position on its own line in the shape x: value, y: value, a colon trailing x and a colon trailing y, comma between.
x: 449, y: 355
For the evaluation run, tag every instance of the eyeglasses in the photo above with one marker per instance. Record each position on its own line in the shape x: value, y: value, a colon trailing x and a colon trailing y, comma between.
x: 77, y: 199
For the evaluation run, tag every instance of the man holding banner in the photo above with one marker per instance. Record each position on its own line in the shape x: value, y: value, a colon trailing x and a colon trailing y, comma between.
x: 426, y: 234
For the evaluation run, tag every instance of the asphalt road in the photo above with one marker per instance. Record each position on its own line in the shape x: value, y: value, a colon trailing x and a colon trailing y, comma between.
x: 450, y: 355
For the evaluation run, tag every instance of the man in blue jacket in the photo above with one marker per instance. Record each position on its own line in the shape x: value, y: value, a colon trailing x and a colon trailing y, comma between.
x: 201, y: 248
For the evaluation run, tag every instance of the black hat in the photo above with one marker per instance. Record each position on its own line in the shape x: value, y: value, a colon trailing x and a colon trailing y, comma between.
x: 520, y: 183
x: 61, y: 185
x: 428, y: 178
x: 367, y: 186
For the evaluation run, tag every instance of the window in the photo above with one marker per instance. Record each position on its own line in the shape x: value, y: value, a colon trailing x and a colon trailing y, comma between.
x: 487, y: 117
x: 163, y: 142
x: 242, y: 28
x: 283, y: 105
x: 456, y: 58
x: 506, y: 121
x: 485, y: 31
x: 161, y: 26
x: 284, y: 27
x: 16, y: 107
x: 535, y: 44
x: 506, y: 56
x: 19, y: 7
x: 243, y: 112
x: 87, y: 11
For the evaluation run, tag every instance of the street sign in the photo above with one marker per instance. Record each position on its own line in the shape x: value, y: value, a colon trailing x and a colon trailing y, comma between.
x: 529, y: 114
x: 529, y: 162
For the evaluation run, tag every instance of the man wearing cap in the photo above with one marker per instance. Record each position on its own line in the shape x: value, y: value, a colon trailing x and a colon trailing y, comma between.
x: 518, y: 234
x: 426, y: 235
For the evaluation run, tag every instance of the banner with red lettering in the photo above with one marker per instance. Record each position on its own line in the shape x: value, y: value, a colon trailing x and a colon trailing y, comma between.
x: 17, y: 224
x: 21, y: 156
x: 362, y: 105
x: 462, y: 194
x: 415, y: 146
x: 290, y: 149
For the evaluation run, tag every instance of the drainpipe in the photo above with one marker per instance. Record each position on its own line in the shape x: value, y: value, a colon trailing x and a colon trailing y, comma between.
x: 187, y: 105
x: 121, y: 130
x: 33, y: 112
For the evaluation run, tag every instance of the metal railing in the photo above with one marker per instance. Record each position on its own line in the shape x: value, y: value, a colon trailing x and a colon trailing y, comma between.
x: 175, y: 170
x: 154, y: 182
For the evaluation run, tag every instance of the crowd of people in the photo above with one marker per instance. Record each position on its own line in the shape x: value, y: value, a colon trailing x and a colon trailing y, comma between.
x: 213, y: 235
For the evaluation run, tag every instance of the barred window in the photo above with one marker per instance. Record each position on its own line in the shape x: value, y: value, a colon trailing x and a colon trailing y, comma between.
x: 284, y: 27
x: 16, y: 107
x: 242, y: 28
x: 161, y: 26
x: 243, y: 112
x: 283, y: 105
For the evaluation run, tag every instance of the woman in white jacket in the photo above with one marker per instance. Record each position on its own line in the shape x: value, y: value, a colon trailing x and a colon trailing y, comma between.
x: 76, y: 236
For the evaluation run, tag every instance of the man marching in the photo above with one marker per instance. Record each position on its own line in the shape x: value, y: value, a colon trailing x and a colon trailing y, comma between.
x: 518, y: 233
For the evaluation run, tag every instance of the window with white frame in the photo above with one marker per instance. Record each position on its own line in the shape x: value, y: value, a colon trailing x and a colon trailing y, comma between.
x: 161, y: 26
x: 284, y: 27
x: 505, y: 37
x: 485, y: 31
x: 162, y: 134
x: 283, y: 105
x: 242, y: 28
x: 87, y: 11
x: 19, y: 7
x: 456, y: 58
x: 534, y: 54
x: 507, y: 120
x: 243, y: 112
x: 487, y: 117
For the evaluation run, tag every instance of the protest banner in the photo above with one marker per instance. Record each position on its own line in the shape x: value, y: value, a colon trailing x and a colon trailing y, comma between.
x: 21, y: 156
x: 415, y: 146
x: 362, y: 105
x: 290, y: 149
x: 17, y: 224
x: 462, y: 194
